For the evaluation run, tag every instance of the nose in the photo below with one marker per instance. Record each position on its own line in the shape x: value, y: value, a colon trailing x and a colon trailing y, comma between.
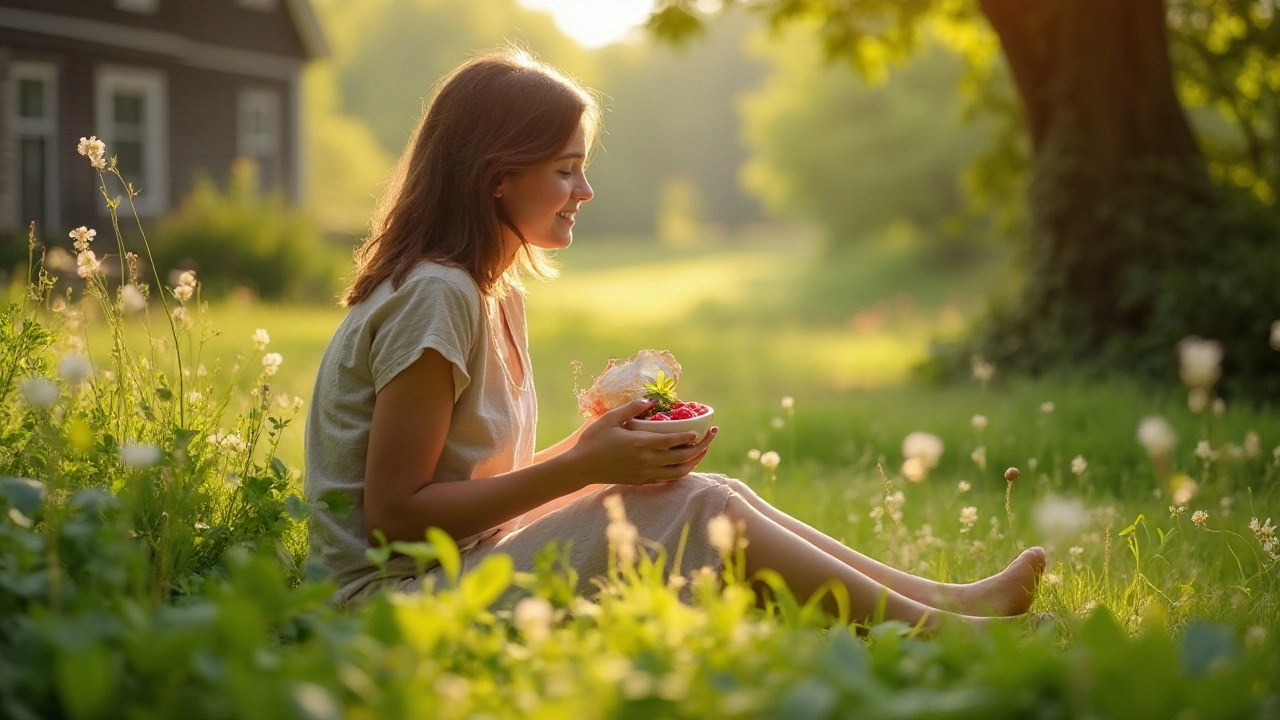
x: 583, y: 191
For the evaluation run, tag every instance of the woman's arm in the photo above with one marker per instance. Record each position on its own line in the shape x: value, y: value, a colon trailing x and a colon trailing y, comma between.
x: 411, y: 418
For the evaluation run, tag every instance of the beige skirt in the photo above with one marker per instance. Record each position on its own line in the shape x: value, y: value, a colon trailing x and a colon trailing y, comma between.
x: 660, y: 513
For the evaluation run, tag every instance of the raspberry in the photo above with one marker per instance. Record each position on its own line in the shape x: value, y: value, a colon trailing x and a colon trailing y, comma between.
x: 683, y: 413
x: 658, y: 416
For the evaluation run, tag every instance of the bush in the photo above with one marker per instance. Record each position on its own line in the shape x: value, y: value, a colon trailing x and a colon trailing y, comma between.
x: 241, y: 238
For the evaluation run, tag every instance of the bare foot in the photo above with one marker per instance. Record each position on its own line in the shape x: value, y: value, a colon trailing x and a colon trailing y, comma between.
x: 1008, y: 592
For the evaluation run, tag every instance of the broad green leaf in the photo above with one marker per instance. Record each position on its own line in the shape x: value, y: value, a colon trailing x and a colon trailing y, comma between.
x: 340, y: 504
x: 487, y: 582
x: 24, y: 494
x: 86, y: 682
x: 446, y: 553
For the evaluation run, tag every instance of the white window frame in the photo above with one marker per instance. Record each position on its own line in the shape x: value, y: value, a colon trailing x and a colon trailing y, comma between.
x: 250, y: 143
x: 154, y: 184
x: 145, y: 7
x: 47, y: 127
x: 263, y: 5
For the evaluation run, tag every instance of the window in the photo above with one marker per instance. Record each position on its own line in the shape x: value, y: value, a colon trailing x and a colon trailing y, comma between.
x: 146, y: 7
x: 131, y: 113
x: 258, y: 134
x: 35, y: 109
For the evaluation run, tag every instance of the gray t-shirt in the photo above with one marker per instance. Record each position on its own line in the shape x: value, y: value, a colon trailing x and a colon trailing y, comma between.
x: 491, y: 431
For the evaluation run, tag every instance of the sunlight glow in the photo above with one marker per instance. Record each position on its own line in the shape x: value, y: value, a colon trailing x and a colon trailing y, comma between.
x: 595, y: 23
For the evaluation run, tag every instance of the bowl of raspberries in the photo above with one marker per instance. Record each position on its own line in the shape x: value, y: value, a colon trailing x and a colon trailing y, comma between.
x: 669, y: 414
x: 649, y: 374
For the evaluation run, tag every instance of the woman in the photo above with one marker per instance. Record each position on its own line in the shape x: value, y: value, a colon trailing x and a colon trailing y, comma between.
x: 424, y: 409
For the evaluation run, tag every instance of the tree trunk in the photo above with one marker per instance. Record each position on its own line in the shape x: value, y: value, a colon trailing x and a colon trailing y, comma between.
x: 1118, y: 185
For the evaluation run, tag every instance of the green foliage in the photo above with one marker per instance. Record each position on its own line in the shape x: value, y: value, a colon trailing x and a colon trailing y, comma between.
x: 241, y: 238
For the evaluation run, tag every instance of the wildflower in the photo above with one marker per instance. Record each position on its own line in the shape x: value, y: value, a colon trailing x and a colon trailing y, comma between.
x: 788, y: 402
x: 1079, y: 465
x: 132, y: 299
x: 1275, y: 335
x: 1175, y: 511
x: 131, y: 259
x: 1205, y: 452
x: 914, y: 470
x: 39, y: 392
x: 1058, y: 517
x: 893, y: 503
x: 1011, y: 474
x: 979, y: 457
x: 231, y: 442
x: 963, y: 486
x: 75, y: 368
x: 139, y: 455
x: 968, y: 517
x: 1047, y: 407
x: 1156, y: 436
x: 260, y: 339
x: 1051, y: 578
x: 979, y: 422
x: 720, y: 534
x: 770, y: 460
x: 271, y: 363
x: 533, y: 617
x: 1199, y: 361
x: 777, y: 423
x: 1252, y: 445
x: 181, y: 315
x: 195, y: 397
x: 184, y: 292
x: 94, y: 149
x: 87, y: 264
x: 82, y: 236
x: 923, y: 446
x: 753, y: 455
x: 1200, y: 519
x: 1197, y: 400
x: 1075, y: 551
x: 1184, y: 488
x: 983, y: 371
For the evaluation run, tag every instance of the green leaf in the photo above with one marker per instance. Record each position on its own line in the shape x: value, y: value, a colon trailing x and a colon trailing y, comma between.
x: 86, y: 682
x: 1134, y: 526
x: 339, y: 504
x: 297, y: 509
x: 446, y: 553
x: 381, y: 553
x: 164, y: 393
x: 279, y: 467
x: 422, y: 553
x: 485, y: 584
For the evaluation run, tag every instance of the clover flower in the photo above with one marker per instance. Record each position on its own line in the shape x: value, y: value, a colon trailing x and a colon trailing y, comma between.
x: 788, y: 402
x: 963, y: 486
x: 1076, y: 552
x: 139, y: 455
x: 260, y: 339
x: 979, y: 422
x: 770, y: 460
x: 39, y: 392
x: 979, y: 457
x: 753, y: 455
x: 94, y: 149
x: 82, y: 236
x: 968, y: 518
x: 271, y: 363
x: 720, y: 534
x: 1079, y: 465
x: 1199, y: 361
x: 1200, y: 519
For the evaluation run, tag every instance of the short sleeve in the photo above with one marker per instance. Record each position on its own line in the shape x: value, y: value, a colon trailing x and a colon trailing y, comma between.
x: 428, y: 311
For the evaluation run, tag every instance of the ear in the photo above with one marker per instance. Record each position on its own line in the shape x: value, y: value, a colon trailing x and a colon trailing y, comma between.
x: 502, y: 186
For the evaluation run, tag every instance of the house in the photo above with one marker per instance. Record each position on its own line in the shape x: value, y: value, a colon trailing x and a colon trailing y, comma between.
x: 174, y: 87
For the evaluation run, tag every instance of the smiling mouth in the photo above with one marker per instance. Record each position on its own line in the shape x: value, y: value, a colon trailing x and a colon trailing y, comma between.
x: 566, y: 215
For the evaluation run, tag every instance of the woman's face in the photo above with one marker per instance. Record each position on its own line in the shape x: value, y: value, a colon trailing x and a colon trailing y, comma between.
x: 543, y: 201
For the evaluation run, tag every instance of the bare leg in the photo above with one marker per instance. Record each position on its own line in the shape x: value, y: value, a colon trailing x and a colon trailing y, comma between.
x: 806, y: 568
x: 1009, y: 592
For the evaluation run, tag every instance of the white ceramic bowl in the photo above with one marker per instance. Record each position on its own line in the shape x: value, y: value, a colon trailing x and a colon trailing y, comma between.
x: 699, y: 424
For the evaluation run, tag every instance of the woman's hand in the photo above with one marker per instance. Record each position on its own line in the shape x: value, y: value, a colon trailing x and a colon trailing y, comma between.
x: 608, y: 452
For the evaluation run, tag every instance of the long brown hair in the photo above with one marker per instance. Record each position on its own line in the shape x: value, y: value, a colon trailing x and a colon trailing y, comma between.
x: 498, y: 114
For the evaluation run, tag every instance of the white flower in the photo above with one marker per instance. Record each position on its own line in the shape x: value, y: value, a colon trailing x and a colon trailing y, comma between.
x: 271, y: 363
x: 184, y: 292
x: 82, y: 236
x: 187, y: 278
x: 914, y: 470
x: 75, y: 368
x: 968, y: 517
x: 1075, y: 551
x: 1079, y: 465
x: 753, y: 455
x: 1047, y: 407
x: 1058, y: 517
x: 1157, y: 436
x: 979, y: 422
x: 777, y: 423
x: 231, y: 442
x: 195, y: 397
x: 788, y: 402
x: 963, y: 486
x: 1197, y: 400
x: 1205, y: 452
x: 979, y: 457
x: 1200, y: 518
x: 1199, y: 361
x: 1252, y: 444
x: 260, y: 339
x: 87, y: 264
x: 139, y: 455
x: 39, y: 392
x: 770, y: 460
x: 1184, y: 489
x: 983, y: 371
x: 720, y: 534
x: 533, y: 617
x: 923, y: 446
x: 1275, y: 335
x: 94, y: 149
x: 131, y: 299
